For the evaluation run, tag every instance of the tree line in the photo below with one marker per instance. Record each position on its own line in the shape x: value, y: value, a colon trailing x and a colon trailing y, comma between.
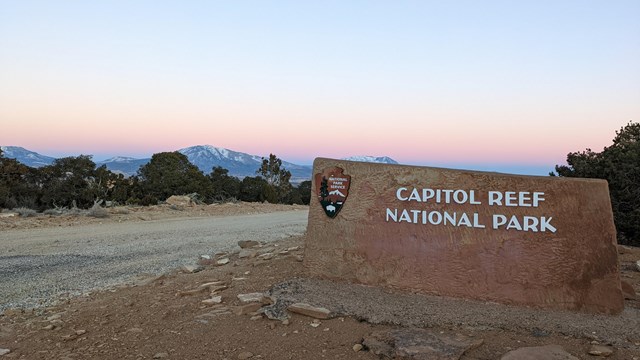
x: 77, y: 182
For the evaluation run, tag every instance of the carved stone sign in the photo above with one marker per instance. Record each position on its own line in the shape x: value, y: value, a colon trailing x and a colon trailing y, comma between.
x: 527, y: 240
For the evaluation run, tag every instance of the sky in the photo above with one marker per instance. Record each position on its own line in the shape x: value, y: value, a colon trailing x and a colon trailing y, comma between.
x: 510, y: 86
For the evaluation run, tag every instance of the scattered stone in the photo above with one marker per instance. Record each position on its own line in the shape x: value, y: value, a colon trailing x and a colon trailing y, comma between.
x: 246, y: 309
x: 256, y: 317
x: 161, y: 355
x: 357, y: 347
x: 265, y: 250
x: 266, y: 256
x: 179, y: 201
x: 285, y: 322
x: 250, y: 297
x: 600, y: 350
x: 315, y: 323
x: 223, y: 261
x: 628, y: 291
x: 638, y: 265
x: 245, y: 355
x: 244, y: 253
x: 309, y: 310
x: 420, y: 344
x: 212, y: 283
x: 48, y: 327
x: 53, y: 317
x: 205, y: 257
x: 213, y: 301
x: 555, y: 352
x: 4, y: 351
x: 299, y: 258
x: 81, y: 332
x: 190, y: 269
x: 245, y: 244
x: 294, y: 248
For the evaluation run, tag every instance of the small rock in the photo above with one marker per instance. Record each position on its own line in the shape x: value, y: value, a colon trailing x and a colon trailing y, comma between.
x: 245, y: 244
x: 48, y: 327
x: 212, y: 283
x: 299, y: 258
x: 628, y: 291
x: 600, y: 350
x: 190, y: 269
x: 285, y: 322
x: 53, y: 317
x: 81, y: 332
x: 223, y: 261
x: 638, y: 265
x: 256, y: 317
x: 555, y: 352
x: 244, y: 253
x: 245, y: 355
x: 315, y: 323
x: 246, y: 309
x: 4, y: 351
x: 213, y: 301
x: 266, y: 256
x: 250, y: 297
x: 357, y: 347
x: 309, y: 310
x: 161, y: 355
x: 179, y: 200
x: 205, y: 257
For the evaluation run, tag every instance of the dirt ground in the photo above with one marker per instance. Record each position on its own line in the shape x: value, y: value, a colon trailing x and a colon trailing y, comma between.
x: 165, y: 317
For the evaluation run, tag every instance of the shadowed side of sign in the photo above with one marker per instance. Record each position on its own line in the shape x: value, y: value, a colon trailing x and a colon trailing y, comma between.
x: 539, y: 241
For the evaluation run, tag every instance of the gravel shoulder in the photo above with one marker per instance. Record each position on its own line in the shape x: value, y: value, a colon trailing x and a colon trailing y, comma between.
x: 40, y: 264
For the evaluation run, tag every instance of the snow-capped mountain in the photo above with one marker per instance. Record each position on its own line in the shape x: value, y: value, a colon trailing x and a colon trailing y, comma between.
x: 26, y: 157
x: 205, y: 157
x: 372, y: 159
x: 124, y: 165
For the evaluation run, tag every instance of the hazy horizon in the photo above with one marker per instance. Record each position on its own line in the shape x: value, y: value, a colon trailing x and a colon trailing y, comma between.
x: 501, y: 86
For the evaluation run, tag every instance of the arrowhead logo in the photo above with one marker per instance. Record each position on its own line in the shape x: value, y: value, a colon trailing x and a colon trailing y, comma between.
x: 332, y: 188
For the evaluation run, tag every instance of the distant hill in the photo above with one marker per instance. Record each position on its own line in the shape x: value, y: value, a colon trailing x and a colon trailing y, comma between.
x: 26, y: 157
x: 127, y: 166
x: 372, y: 159
x: 239, y: 164
x: 205, y: 157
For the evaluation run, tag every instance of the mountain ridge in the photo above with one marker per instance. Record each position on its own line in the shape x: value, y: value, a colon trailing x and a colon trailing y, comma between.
x: 205, y: 157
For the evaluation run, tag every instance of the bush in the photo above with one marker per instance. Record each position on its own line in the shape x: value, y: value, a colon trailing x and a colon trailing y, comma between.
x: 25, y: 212
x: 97, y: 211
x: 619, y: 164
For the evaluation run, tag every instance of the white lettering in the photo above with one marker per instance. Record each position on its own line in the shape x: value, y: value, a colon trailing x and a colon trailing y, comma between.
x: 392, y: 214
x: 495, y: 198
x: 546, y: 224
x: 537, y: 198
x: 399, y: 194
x: 499, y: 220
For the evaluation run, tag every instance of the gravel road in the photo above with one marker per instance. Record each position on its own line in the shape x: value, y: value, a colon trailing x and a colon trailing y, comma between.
x: 37, y: 265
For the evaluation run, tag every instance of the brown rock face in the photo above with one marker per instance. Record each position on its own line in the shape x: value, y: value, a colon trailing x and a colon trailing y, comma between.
x: 528, y: 240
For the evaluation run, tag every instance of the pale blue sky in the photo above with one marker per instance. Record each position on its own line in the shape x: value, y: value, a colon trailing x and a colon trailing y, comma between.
x: 504, y: 85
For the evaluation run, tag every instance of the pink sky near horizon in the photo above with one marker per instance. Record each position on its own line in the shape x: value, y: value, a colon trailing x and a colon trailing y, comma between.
x: 426, y: 83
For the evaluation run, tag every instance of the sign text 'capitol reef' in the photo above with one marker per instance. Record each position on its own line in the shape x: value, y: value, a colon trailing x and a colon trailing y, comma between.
x: 472, y: 220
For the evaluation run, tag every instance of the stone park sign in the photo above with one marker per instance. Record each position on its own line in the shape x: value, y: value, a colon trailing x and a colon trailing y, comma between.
x: 528, y: 240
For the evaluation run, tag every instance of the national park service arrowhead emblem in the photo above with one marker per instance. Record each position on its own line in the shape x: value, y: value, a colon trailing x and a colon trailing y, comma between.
x: 332, y: 187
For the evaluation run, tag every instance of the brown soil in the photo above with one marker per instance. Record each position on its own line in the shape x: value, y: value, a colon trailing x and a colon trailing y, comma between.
x: 154, y: 318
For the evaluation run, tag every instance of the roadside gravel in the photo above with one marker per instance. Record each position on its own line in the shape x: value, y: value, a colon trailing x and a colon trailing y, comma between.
x: 38, y: 265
